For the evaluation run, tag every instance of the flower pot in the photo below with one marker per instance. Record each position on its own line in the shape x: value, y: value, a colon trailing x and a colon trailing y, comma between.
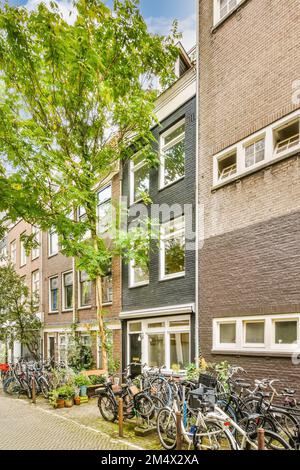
x: 60, y: 403
x: 83, y: 391
x: 69, y: 403
x: 77, y: 401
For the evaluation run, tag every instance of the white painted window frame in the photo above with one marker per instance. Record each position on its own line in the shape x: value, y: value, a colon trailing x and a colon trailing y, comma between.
x: 66, y: 346
x: 33, y: 282
x: 217, y: 11
x: 82, y: 307
x: 49, y: 294
x: 164, y: 148
x: 53, y: 335
x: 23, y: 256
x: 132, y: 169
x: 64, y: 309
x: 270, y: 150
x: 102, y: 203
x: 50, y: 234
x: 13, y: 251
x: 166, y: 330
x: 268, y: 347
x: 35, y: 252
x: 163, y: 238
x: 131, y: 275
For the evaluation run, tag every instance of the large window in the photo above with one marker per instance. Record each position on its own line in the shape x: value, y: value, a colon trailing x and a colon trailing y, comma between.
x: 23, y: 257
x: 35, y: 285
x: 172, y: 252
x: 172, y: 159
x: 104, y: 210
x: 85, y: 290
x: 272, y: 333
x: 138, y: 275
x: 52, y: 242
x: 139, y: 179
x: 68, y: 291
x: 13, y: 252
x: 160, y: 342
x: 63, y: 348
x: 53, y: 294
x: 35, y: 253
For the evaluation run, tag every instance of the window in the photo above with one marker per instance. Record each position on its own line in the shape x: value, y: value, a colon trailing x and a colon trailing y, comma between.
x: 264, y: 334
x: 222, y: 8
x: 104, y: 212
x: 254, y: 332
x: 3, y: 253
x: 23, y: 257
x: 255, y: 153
x: 172, y: 158
x: 53, y: 304
x: 227, y: 166
x: 35, y: 285
x: 286, y: 332
x: 35, y: 253
x: 287, y: 137
x: 227, y: 333
x: 173, y: 248
x: 278, y: 140
x: 107, y: 289
x: 68, y: 291
x: 138, y: 275
x: 52, y: 242
x: 13, y: 252
x: 85, y: 289
x: 139, y: 179
x: 161, y: 342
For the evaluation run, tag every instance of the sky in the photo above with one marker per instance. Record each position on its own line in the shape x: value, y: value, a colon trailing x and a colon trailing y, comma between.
x: 159, y: 15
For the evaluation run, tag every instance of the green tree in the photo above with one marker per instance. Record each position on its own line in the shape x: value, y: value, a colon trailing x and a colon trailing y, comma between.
x: 75, y: 100
x: 18, y: 319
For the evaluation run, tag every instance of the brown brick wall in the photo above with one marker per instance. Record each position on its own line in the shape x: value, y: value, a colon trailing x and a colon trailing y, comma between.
x: 249, y: 262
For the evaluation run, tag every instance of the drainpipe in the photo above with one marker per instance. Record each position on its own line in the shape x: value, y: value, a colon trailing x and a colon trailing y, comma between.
x: 197, y: 341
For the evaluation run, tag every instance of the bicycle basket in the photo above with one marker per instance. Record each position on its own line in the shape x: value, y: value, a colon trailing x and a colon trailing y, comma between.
x: 207, y: 380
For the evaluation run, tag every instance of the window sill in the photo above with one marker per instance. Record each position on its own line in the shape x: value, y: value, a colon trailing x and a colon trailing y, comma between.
x: 263, y: 166
x: 33, y: 259
x: 55, y: 312
x: 136, y: 286
x: 51, y: 256
x: 86, y: 307
x: 171, y: 184
x: 222, y: 20
x: 67, y: 310
x: 170, y: 278
x: 244, y: 352
x: 107, y: 304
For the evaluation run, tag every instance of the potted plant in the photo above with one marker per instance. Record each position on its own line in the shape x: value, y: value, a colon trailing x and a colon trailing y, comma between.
x: 55, y: 400
x: 67, y: 393
x: 77, y: 400
x: 82, y: 381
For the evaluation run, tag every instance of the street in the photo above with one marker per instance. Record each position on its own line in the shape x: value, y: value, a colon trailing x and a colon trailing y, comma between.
x: 30, y: 427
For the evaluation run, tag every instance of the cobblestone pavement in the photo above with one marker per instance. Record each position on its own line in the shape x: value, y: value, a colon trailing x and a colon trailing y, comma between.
x: 33, y: 427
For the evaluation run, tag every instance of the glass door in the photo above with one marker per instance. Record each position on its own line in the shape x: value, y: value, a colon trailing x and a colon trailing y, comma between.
x: 135, y: 353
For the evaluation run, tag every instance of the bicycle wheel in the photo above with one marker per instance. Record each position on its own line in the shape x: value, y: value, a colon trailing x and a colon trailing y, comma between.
x: 158, y: 405
x: 273, y: 441
x: 107, y: 408
x: 166, y: 428
x: 11, y: 386
x: 143, y: 405
x: 214, y: 437
x: 44, y: 387
x: 161, y: 388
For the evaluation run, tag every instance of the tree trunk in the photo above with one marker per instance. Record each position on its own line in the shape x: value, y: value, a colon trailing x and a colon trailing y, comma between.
x: 102, y: 331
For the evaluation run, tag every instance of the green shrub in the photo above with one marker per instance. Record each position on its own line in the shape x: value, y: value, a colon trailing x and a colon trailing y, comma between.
x: 82, y: 380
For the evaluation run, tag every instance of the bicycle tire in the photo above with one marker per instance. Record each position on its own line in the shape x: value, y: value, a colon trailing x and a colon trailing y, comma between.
x: 106, y: 405
x: 270, y: 436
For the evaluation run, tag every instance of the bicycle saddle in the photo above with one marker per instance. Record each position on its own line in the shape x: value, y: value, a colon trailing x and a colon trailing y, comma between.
x: 289, y: 391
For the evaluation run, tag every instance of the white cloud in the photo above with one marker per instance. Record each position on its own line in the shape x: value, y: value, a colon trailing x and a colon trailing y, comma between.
x: 187, y: 26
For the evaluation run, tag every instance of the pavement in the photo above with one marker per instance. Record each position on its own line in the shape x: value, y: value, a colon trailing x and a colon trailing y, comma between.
x: 27, y: 426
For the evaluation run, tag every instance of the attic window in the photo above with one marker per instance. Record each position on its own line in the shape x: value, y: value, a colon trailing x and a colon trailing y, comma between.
x: 227, y: 166
x: 287, y: 137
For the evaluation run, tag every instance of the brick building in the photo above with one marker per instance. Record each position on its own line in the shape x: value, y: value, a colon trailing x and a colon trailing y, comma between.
x: 249, y: 186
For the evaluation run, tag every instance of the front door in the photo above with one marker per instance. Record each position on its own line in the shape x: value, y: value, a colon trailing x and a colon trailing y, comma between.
x: 135, y: 353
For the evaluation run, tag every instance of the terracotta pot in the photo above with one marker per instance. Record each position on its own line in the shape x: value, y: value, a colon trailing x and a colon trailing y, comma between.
x: 60, y: 403
x: 69, y: 403
x: 77, y: 401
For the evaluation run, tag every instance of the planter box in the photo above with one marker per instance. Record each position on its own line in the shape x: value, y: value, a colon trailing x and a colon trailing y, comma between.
x: 84, y: 400
x: 91, y: 390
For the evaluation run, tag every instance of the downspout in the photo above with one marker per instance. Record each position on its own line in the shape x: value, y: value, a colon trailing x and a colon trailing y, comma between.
x: 197, y: 340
